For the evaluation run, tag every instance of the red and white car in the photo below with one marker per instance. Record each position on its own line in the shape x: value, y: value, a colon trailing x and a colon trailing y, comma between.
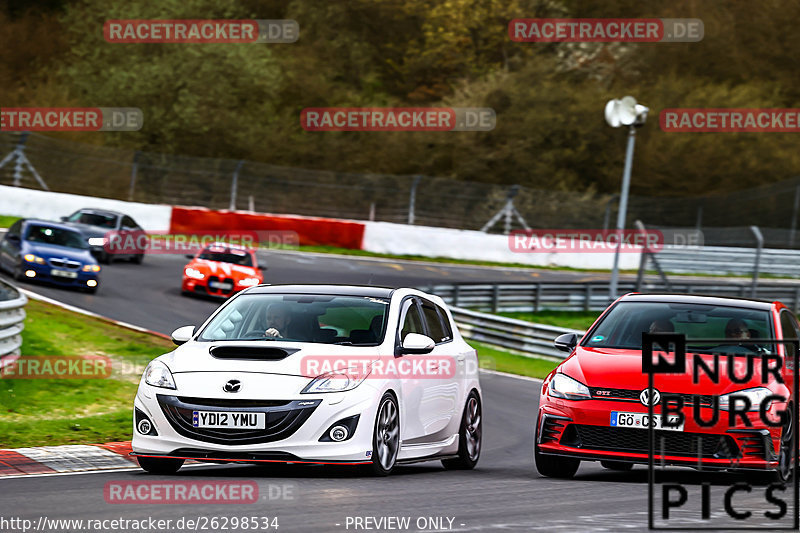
x: 221, y: 269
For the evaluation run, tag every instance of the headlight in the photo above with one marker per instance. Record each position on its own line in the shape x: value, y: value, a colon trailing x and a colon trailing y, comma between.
x: 98, y: 241
x: 563, y: 386
x: 194, y: 273
x: 158, y: 375
x: 249, y: 282
x: 755, y: 395
x: 91, y: 268
x: 337, y: 381
x: 30, y: 258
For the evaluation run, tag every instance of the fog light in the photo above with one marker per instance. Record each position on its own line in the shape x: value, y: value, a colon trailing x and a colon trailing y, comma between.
x: 91, y: 283
x: 338, y: 433
x: 30, y: 273
x: 144, y: 427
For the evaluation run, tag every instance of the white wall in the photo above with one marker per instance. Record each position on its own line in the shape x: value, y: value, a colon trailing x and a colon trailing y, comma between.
x: 386, y: 237
x: 31, y: 203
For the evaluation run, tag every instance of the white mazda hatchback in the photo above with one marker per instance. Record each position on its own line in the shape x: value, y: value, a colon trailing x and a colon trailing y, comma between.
x: 327, y: 374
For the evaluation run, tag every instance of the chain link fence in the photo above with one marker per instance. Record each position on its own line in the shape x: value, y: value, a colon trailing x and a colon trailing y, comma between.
x: 72, y: 167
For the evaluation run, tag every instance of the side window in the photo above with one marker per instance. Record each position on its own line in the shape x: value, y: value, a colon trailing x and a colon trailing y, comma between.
x: 789, y: 328
x: 448, y: 332
x: 15, y: 228
x: 434, y: 322
x: 412, y: 323
x: 128, y: 223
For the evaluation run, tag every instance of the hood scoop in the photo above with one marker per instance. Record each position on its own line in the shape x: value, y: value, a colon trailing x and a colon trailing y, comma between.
x: 253, y: 353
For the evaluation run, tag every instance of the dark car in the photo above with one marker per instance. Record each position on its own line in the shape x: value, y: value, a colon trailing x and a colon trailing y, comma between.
x: 97, y: 224
x: 49, y: 251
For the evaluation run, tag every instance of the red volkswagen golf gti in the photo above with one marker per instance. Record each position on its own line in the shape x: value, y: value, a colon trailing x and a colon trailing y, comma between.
x: 730, y: 407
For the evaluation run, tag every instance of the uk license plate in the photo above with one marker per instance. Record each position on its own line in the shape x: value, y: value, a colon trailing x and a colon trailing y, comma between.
x: 219, y: 285
x: 228, y: 420
x: 63, y: 273
x: 642, y: 421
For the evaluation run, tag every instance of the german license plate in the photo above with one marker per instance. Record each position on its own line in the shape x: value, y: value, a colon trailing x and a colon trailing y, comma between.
x: 63, y: 273
x: 228, y: 420
x: 220, y: 285
x: 642, y: 421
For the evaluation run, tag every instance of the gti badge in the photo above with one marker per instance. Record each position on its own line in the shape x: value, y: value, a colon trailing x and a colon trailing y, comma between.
x: 644, y: 397
x: 233, y: 385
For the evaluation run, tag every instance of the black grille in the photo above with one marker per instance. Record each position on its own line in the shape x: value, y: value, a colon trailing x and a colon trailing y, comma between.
x: 220, y: 402
x: 217, y: 279
x: 281, y: 420
x: 602, y: 393
x: 551, y: 428
x: 636, y: 441
x: 65, y: 263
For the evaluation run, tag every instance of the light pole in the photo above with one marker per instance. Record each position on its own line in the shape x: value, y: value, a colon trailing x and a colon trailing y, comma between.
x: 624, y: 112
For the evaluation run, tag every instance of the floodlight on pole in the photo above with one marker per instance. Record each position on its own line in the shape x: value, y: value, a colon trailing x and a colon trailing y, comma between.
x: 623, y: 112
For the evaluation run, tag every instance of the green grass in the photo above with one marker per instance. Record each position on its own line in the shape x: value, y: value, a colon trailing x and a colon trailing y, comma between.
x: 6, y: 221
x: 563, y: 319
x: 37, y: 412
x: 491, y: 358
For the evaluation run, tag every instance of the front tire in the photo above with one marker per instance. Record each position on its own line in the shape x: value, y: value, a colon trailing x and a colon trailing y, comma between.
x: 785, y: 460
x: 553, y: 465
x: 160, y: 465
x: 385, y: 437
x: 470, y: 436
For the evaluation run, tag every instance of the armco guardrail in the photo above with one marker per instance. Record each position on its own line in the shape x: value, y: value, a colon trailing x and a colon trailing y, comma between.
x: 729, y: 260
x: 525, y: 337
x: 12, y: 320
x: 593, y: 296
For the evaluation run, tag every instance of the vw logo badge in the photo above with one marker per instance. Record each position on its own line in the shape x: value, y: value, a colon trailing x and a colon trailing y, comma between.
x: 644, y: 397
x: 235, y: 385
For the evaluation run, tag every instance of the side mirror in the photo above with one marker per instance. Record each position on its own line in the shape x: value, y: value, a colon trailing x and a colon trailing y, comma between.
x: 12, y: 238
x: 566, y: 342
x: 182, y: 335
x: 63, y: 219
x: 414, y: 343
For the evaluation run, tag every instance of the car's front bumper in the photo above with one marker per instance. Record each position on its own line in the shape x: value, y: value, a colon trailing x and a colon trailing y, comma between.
x: 44, y: 273
x: 301, y: 445
x: 582, y: 429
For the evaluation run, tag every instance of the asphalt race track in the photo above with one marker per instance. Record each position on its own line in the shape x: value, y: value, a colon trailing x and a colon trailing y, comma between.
x: 504, y: 493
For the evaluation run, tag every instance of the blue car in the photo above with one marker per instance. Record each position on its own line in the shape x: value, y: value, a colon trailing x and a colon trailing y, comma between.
x: 48, y: 251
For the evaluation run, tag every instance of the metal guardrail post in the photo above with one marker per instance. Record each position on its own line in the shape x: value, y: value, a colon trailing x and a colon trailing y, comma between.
x: 796, y: 306
x: 495, y: 297
x: 538, y: 298
x: 587, y: 302
x: 412, y: 199
x: 456, y: 288
x: 235, y: 184
x: 757, y: 263
x: 134, y: 171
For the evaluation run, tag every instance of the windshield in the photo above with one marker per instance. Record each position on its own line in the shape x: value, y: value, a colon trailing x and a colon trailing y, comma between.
x: 94, y: 219
x: 320, y: 318
x: 55, y: 236
x: 623, y: 326
x: 227, y: 255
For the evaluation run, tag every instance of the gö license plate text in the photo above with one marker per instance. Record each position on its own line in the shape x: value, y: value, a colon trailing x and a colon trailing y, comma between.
x: 642, y: 420
x: 222, y: 420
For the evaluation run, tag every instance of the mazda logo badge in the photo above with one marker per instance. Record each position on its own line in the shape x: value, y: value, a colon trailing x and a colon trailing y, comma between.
x: 232, y: 386
x: 644, y: 397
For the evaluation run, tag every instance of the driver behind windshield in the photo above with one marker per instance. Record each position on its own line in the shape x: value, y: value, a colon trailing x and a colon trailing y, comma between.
x: 278, y: 320
x: 737, y: 329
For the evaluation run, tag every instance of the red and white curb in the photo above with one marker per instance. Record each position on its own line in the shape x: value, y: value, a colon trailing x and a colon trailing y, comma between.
x: 65, y: 459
